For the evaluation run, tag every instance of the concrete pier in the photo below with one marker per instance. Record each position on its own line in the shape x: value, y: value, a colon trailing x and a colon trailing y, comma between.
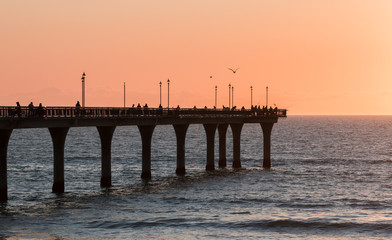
x: 180, y: 130
x: 146, y: 134
x: 106, y: 135
x: 58, y: 138
x: 236, y: 129
x: 59, y: 119
x: 222, y: 130
x: 4, y: 139
x: 210, y: 133
x: 267, y: 129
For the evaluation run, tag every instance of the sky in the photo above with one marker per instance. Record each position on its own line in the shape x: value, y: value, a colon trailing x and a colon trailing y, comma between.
x: 316, y: 57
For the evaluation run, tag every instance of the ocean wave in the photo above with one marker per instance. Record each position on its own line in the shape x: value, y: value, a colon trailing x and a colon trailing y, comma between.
x: 287, y: 225
x: 314, y: 226
x: 343, y: 160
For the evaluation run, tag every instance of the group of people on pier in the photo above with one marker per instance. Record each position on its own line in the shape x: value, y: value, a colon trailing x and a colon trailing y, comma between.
x: 139, y: 110
x: 31, y: 111
x: 264, y: 110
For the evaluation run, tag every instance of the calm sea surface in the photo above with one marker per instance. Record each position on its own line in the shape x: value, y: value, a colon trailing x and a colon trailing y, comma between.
x: 331, y: 178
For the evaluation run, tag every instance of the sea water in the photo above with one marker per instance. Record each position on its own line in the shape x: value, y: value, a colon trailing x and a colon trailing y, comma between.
x: 331, y: 178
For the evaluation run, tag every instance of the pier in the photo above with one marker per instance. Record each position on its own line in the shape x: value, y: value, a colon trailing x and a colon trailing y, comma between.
x: 58, y: 120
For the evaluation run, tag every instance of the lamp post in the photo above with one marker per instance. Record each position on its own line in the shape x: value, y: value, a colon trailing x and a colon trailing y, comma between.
x: 232, y: 96
x: 124, y: 94
x: 251, y: 96
x: 266, y: 96
x: 83, y: 89
x: 216, y: 95
x: 168, y: 93
x: 229, y: 94
x: 160, y: 94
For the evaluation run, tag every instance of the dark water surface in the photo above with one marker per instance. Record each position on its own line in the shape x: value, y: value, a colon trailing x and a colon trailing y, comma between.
x: 331, y: 178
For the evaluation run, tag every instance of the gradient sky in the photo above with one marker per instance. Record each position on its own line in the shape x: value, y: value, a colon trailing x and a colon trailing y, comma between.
x: 316, y: 57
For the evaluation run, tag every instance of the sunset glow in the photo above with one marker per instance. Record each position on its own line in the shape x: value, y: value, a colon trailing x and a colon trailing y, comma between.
x: 316, y: 57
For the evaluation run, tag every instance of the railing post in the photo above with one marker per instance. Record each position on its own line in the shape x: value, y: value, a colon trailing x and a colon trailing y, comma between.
x: 4, y: 139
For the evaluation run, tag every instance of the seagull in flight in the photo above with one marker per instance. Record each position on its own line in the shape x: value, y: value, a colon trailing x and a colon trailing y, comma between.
x: 234, y: 71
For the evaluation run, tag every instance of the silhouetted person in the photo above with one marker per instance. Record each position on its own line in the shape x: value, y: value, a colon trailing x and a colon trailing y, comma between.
x: 31, y: 109
x: 18, y: 110
x: 178, y: 110
x: 139, y: 109
x: 77, y: 112
x: 145, y: 110
x: 40, y: 110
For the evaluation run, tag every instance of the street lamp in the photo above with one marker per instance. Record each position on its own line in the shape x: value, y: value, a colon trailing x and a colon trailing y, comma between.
x: 251, y: 96
x: 83, y: 89
x: 160, y: 94
x: 124, y: 94
x: 266, y: 96
x: 168, y: 92
x: 232, y: 96
x: 216, y: 95
x: 229, y: 94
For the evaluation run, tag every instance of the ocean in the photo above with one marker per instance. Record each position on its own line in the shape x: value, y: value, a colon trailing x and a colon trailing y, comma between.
x: 331, y: 178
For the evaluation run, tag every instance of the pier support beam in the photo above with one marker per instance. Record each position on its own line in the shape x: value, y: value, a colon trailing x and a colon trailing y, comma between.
x: 222, y: 129
x: 267, y: 128
x: 210, y: 132
x: 4, y: 139
x: 236, y: 129
x: 58, y: 138
x: 180, y: 130
x: 146, y: 134
x: 106, y: 135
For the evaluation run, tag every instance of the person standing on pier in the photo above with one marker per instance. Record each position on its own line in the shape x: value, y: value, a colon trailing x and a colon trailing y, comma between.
x: 40, y: 110
x: 31, y: 109
x: 18, y: 110
x: 77, y: 112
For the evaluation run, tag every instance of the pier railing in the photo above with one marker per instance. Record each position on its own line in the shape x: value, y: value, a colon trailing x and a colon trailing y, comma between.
x: 117, y: 112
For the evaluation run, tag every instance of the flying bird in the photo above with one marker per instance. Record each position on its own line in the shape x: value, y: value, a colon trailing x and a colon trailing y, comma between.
x: 234, y: 71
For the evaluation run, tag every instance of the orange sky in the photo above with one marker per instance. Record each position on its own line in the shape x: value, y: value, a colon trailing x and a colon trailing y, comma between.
x: 317, y: 57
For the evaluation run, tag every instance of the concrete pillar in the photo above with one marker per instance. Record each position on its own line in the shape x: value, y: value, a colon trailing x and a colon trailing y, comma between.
x: 146, y: 134
x: 106, y: 135
x: 267, y: 128
x: 4, y: 139
x: 236, y: 129
x: 210, y: 132
x: 180, y: 130
x: 58, y: 138
x: 222, y: 129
